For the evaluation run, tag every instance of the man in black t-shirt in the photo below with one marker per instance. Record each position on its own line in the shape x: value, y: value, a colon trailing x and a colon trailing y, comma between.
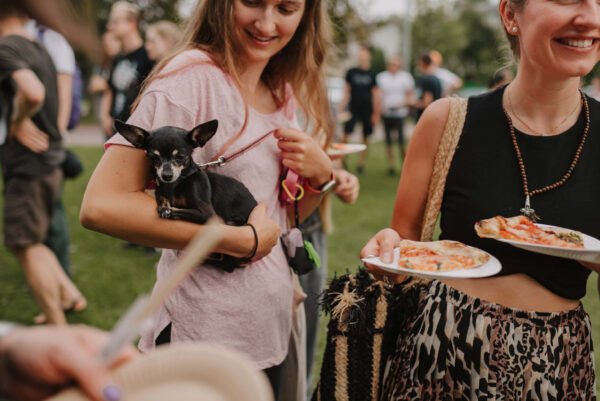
x: 31, y: 156
x: 361, y: 96
x: 129, y: 68
x: 429, y: 86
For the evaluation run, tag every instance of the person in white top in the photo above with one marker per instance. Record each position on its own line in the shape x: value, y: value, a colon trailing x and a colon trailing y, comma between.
x: 450, y: 81
x: 397, y: 94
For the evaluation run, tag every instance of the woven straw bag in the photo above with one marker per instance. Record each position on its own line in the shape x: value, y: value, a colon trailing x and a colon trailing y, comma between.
x: 366, y: 314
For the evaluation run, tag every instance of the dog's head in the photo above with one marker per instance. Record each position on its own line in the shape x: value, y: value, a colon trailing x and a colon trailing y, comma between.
x: 168, y: 148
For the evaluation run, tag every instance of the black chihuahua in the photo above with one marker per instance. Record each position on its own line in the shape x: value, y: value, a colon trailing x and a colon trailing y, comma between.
x: 184, y: 190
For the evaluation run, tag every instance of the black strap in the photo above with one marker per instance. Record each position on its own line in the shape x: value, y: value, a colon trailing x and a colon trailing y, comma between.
x: 296, y: 214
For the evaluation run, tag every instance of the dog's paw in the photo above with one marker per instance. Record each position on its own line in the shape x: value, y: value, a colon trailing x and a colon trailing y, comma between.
x: 165, y: 212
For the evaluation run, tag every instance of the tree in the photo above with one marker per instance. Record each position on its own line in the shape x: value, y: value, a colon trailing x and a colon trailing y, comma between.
x: 466, y: 32
x: 346, y: 21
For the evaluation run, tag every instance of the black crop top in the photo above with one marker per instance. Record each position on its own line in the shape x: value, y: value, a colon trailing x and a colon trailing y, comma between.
x: 484, y: 181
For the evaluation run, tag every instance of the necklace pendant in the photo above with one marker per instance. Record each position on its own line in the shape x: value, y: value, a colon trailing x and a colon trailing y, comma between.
x: 529, y: 212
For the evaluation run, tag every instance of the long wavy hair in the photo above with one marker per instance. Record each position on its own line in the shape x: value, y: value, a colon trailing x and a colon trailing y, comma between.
x: 300, y: 63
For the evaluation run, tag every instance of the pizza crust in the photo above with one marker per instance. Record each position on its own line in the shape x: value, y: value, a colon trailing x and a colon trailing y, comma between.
x: 520, y: 228
x: 439, y: 256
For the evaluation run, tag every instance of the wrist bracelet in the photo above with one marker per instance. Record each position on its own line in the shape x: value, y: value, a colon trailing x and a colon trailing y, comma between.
x: 253, y: 253
x: 310, y: 188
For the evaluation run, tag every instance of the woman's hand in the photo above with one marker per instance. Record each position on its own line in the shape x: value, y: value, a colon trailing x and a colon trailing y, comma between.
x: 267, y: 231
x: 303, y: 154
x: 30, y: 136
x: 38, y: 362
x: 347, y: 186
x: 382, y: 245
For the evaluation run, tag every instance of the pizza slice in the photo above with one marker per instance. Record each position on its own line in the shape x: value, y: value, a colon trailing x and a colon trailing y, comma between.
x: 438, y: 256
x: 520, y: 228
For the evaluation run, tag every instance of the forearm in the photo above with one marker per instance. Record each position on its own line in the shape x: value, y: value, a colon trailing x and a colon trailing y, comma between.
x: 65, y: 100
x: 306, y: 206
x: 29, y: 96
x: 376, y: 102
x: 133, y: 217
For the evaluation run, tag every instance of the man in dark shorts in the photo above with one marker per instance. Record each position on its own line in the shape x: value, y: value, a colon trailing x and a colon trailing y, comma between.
x: 361, y: 96
x: 429, y: 86
x: 31, y: 154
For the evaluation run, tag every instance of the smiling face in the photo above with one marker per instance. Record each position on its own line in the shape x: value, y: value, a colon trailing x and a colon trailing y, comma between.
x: 264, y: 27
x: 558, y: 37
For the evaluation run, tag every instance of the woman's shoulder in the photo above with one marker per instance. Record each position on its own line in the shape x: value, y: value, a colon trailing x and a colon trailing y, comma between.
x: 191, y: 66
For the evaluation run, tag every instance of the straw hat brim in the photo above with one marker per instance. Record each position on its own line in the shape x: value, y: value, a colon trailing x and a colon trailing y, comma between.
x: 186, y: 372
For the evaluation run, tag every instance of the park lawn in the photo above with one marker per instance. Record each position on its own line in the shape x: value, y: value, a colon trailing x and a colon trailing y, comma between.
x: 111, y: 276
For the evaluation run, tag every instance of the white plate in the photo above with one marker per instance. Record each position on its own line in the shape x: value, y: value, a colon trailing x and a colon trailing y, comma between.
x: 490, y: 268
x: 590, y: 252
x: 346, y: 149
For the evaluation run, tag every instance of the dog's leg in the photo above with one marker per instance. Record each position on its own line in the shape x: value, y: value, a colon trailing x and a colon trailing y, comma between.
x: 165, y: 211
x: 199, y: 216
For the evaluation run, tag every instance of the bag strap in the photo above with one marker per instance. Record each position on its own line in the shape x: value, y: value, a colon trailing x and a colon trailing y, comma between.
x: 441, y: 165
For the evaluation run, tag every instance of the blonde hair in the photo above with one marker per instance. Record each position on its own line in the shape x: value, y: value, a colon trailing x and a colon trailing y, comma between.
x: 131, y: 10
x: 167, y: 30
x: 300, y: 63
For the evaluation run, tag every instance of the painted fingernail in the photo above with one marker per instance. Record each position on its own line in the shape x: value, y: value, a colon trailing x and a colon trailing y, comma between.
x: 112, y: 393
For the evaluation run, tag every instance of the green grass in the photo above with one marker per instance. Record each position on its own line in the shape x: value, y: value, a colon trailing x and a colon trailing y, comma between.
x: 111, y: 276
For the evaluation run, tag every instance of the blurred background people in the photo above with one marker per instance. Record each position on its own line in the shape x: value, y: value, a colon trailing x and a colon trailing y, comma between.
x: 451, y: 82
x: 98, y: 83
x: 129, y: 68
x: 31, y: 160
x: 70, y: 92
x: 361, y: 96
x: 429, y: 86
x: 161, y: 38
x: 397, y: 91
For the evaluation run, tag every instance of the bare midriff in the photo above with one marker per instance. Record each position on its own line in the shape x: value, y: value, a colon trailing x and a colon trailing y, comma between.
x: 516, y: 291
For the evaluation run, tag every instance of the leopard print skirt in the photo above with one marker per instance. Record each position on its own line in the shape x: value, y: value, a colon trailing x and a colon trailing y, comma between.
x: 462, y: 348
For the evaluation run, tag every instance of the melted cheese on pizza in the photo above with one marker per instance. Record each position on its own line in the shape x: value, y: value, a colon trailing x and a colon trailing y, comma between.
x: 520, y: 228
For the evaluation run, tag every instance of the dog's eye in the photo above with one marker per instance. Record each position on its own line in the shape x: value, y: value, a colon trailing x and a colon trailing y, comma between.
x: 180, y: 158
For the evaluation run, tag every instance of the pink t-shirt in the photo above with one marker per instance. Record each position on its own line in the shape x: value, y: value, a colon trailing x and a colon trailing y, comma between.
x: 249, y: 310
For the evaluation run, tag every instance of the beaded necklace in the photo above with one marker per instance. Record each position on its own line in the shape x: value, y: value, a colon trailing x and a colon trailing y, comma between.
x: 527, y: 210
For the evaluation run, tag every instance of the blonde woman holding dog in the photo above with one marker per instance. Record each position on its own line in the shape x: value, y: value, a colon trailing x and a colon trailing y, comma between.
x: 249, y: 64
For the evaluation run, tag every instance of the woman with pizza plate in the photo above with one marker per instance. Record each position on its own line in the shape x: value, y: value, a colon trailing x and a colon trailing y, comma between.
x: 523, y: 333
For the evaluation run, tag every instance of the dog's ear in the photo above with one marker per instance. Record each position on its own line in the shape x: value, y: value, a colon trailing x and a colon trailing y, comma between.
x: 133, y: 134
x: 202, y: 133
